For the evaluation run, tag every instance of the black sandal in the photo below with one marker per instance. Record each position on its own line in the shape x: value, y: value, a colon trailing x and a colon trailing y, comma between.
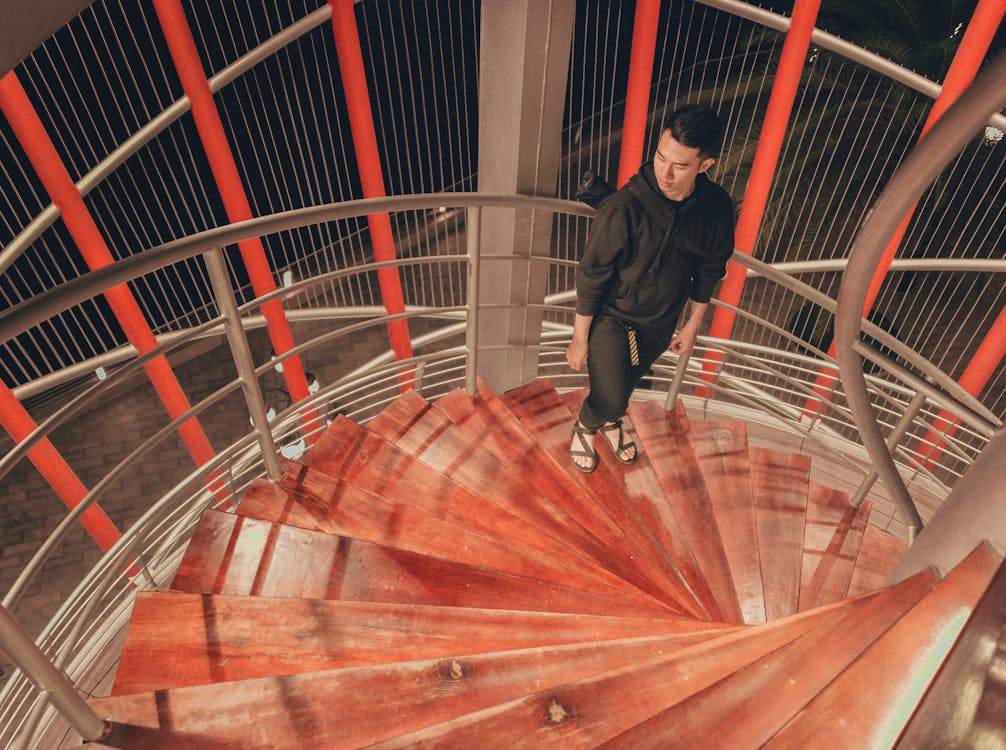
x: 585, y: 452
x: 622, y: 445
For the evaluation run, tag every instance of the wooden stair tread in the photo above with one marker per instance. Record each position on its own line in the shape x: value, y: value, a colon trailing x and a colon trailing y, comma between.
x: 878, y: 555
x: 832, y: 539
x: 674, y: 529
x: 668, y: 449
x: 352, y: 707
x: 178, y: 640
x: 359, y: 456
x: 231, y: 554
x: 427, y: 526
x: 780, y: 485
x: 897, y: 667
x: 722, y: 452
x: 368, y: 460
x: 539, y: 407
x: 438, y: 442
x: 589, y: 711
x: 484, y: 418
x: 749, y: 706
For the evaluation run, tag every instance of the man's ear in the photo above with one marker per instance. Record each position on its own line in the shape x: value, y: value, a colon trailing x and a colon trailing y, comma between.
x: 705, y: 164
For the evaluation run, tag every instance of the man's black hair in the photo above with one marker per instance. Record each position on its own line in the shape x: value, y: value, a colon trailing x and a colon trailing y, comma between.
x: 696, y: 126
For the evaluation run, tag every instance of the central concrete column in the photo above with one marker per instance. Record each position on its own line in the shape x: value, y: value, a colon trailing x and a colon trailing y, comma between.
x: 523, y: 66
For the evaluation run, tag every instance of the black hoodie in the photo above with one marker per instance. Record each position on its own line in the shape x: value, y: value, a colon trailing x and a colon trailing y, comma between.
x: 646, y: 254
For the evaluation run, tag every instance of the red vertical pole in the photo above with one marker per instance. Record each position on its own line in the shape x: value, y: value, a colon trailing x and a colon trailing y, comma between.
x: 225, y: 172
x: 970, y: 54
x: 80, y: 224
x: 637, y: 94
x: 54, y: 469
x: 975, y: 376
x: 780, y: 106
x: 368, y: 159
x: 973, y: 48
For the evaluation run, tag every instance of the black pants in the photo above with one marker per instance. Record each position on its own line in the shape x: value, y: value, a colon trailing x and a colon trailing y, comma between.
x: 612, y: 376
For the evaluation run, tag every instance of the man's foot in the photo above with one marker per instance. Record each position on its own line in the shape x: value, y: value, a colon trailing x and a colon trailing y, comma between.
x: 581, y: 448
x: 615, y: 436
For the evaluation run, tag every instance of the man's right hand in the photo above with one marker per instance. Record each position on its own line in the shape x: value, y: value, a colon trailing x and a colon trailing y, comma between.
x: 576, y: 354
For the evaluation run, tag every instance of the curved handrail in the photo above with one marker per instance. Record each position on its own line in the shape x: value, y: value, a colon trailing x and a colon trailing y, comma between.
x: 920, y: 169
x: 850, y: 51
x: 39, y: 308
x: 31, y: 312
x: 163, y: 120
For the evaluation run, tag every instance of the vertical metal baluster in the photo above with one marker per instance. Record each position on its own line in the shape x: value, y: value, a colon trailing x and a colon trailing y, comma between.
x: 52, y: 683
x: 241, y: 353
x: 679, y: 376
x: 893, y: 441
x: 474, y: 222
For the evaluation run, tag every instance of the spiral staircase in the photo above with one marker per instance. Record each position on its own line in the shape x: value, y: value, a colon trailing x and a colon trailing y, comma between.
x: 443, y: 577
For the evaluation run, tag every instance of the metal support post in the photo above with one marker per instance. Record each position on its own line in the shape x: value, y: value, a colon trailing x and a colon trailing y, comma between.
x: 52, y: 683
x: 780, y: 105
x: 241, y: 352
x: 893, y: 441
x: 473, y: 230
x: 677, y: 380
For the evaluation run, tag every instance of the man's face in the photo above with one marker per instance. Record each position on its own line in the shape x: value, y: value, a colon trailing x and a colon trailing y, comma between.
x: 676, y: 167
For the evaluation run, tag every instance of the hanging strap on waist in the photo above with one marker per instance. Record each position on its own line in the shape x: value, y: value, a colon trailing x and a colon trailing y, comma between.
x: 633, y: 347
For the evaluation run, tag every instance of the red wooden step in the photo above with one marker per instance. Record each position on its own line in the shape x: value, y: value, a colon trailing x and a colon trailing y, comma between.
x: 418, y: 428
x: 749, y: 706
x: 178, y: 640
x: 780, y: 485
x: 424, y: 523
x: 484, y: 418
x: 267, y: 501
x: 832, y: 539
x: 722, y: 452
x: 231, y: 554
x: 351, y: 708
x: 673, y: 524
x: 878, y: 555
x: 592, y: 710
x: 875, y: 696
x: 484, y: 502
x: 667, y: 447
x: 639, y: 518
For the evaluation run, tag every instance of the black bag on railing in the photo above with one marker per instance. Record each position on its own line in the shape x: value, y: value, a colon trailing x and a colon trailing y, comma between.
x: 592, y: 189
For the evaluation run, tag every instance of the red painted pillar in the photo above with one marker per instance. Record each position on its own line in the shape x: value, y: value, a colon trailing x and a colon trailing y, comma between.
x: 637, y: 95
x: 973, y: 48
x: 54, y: 469
x: 368, y: 159
x: 80, y: 224
x: 975, y: 376
x: 225, y: 172
x: 773, y: 132
x: 970, y: 54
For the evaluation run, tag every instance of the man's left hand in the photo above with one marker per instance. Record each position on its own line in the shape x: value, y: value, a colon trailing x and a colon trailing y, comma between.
x: 683, y: 342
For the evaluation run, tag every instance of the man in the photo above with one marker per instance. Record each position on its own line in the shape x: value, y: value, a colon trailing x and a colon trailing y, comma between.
x: 660, y: 241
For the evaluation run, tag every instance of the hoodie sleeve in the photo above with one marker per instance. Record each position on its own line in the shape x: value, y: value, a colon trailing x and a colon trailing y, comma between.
x: 608, y: 240
x: 713, y: 265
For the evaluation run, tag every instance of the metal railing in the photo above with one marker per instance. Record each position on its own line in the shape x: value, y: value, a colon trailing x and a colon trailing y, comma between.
x: 953, y: 131
x: 769, y: 379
